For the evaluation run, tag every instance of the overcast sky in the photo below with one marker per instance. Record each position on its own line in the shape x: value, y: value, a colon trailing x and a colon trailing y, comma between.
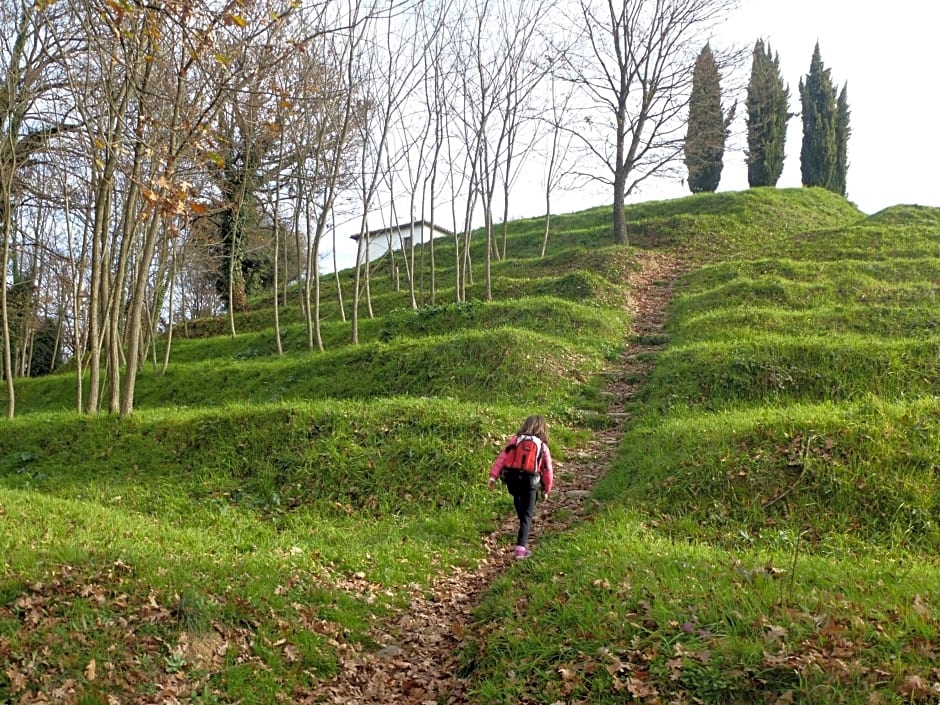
x: 886, y: 53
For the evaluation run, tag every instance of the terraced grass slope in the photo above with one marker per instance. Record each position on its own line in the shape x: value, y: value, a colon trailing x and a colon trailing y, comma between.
x: 771, y: 525
x: 259, y: 511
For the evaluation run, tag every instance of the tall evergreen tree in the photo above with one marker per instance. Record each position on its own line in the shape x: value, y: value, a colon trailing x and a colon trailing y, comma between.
x: 819, y: 153
x: 842, y: 142
x: 708, y: 127
x: 768, y: 102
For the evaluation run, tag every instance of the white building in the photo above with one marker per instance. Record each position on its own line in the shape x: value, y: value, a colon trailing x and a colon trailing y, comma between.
x: 399, y: 237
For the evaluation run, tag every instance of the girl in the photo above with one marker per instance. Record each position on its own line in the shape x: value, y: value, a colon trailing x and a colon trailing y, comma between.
x: 522, y: 478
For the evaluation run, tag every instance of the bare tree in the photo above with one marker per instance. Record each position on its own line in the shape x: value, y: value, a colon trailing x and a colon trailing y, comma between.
x: 635, y: 73
x: 159, y: 76
x: 395, y: 59
x: 28, y: 59
x: 435, y: 104
x: 331, y: 112
x: 414, y: 143
x: 521, y: 42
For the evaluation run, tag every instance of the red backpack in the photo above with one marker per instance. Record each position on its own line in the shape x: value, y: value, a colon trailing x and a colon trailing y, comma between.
x: 524, y: 454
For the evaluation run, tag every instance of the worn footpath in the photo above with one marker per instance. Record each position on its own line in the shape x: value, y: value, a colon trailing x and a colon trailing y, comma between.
x: 417, y: 661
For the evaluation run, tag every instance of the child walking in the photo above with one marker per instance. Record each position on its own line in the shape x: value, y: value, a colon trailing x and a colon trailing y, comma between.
x: 524, y: 464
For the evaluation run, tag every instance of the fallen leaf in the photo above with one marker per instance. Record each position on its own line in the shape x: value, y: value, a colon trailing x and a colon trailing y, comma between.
x: 915, y: 688
x: 641, y: 689
x: 17, y: 679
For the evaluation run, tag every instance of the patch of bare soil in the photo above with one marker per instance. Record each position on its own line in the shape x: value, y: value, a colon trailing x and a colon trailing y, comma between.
x: 417, y: 663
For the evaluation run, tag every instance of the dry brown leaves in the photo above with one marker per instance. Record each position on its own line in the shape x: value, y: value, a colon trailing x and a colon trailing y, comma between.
x: 128, y: 623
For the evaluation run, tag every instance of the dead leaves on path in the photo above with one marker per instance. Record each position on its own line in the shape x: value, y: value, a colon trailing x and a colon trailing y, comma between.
x: 416, y: 661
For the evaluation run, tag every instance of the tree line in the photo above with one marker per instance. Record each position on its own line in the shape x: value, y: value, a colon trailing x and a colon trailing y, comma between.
x: 824, y: 110
x: 165, y: 161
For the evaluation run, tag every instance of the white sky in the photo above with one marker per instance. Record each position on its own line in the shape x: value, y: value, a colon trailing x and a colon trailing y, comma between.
x: 885, y: 52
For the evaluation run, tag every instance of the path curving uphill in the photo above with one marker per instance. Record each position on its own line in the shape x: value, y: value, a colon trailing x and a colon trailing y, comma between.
x: 418, y: 661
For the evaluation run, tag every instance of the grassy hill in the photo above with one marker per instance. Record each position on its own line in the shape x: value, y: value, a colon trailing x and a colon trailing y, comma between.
x: 768, y: 533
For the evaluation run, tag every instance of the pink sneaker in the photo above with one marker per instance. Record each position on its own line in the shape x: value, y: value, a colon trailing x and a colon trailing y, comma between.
x: 522, y: 552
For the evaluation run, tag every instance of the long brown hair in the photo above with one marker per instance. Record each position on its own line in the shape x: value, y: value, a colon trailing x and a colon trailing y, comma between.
x: 534, y: 425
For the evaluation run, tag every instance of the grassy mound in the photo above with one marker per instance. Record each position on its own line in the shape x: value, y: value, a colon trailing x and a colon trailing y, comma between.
x: 801, y: 470
x: 780, y: 369
x: 589, y: 325
x: 505, y: 364
x: 384, y: 457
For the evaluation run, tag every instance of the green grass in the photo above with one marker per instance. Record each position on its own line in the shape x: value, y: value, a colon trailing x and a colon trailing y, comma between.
x: 617, y: 611
x: 768, y: 532
x: 742, y: 475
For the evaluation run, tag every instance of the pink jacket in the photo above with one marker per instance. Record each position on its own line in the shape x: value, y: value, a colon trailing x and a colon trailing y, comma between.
x: 545, y: 465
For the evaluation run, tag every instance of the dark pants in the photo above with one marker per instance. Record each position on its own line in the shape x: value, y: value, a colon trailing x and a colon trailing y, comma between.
x: 524, y: 497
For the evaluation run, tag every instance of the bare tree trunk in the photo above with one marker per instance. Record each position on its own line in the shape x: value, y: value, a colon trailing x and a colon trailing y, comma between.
x: 277, y: 315
x: 355, y: 305
x: 458, y: 279
x: 276, y: 221
x: 127, y: 233
x: 548, y: 219
x: 170, y: 326
x: 313, y: 273
x: 4, y: 313
x: 135, y: 316
x: 339, y: 284
x: 76, y: 265
x: 368, y: 286
x: 555, y: 169
x: 95, y: 333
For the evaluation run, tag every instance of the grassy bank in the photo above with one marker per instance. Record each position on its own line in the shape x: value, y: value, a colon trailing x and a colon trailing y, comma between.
x: 768, y: 532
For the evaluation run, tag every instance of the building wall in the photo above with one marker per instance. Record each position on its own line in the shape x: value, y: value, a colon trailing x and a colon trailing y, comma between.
x: 394, y: 238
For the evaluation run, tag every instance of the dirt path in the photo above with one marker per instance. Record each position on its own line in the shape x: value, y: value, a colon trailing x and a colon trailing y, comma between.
x: 417, y: 663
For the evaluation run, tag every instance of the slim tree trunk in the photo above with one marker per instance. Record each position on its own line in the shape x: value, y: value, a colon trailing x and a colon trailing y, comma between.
x: 135, y: 315
x: 4, y: 313
x: 339, y: 283
x: 169, y: 328
x: 356, y: 277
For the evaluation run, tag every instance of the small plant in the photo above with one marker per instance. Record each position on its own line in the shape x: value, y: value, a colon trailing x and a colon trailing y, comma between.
x: 191, y: 611
x: 175, y: 661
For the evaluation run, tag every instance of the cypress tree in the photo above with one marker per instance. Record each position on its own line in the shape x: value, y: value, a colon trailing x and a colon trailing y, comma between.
x: 818, y: 154
x: 768, y: 102
x: 842, y: 142
x: 707, y: 128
